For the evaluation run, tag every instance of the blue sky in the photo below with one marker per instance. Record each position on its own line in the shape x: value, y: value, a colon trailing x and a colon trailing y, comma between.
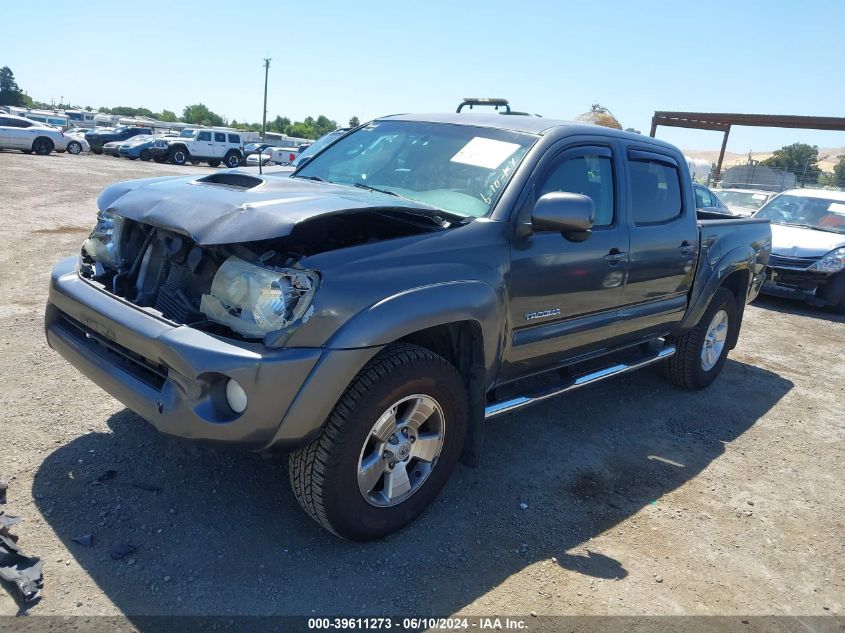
x: 374, y: 58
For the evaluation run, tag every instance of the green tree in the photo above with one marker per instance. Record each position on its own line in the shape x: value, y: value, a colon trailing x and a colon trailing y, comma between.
x: 199, y: 114
x: 10, y: 92
x: 279, y: 124
x: 166, y: 115
x: 799, y: 158
x: 323, y: 125
x: 630, y: 129
x: 301, y: 130
x: 354, y: 122
x: 839, y: 172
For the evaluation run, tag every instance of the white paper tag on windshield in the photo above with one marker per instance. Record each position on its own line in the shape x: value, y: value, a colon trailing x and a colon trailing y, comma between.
x: 484, y: 152
x: 758, y: 196
x: 836, y: 207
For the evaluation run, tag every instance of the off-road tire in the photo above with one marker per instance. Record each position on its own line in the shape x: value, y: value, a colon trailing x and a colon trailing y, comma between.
x: 323, y: 474
x: 232, y: 160
x: 178, y: 156
x: 145, y: 155
x: 685, y: 368
x: 42, y: 146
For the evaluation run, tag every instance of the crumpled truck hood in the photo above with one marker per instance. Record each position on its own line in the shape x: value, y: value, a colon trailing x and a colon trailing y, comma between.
x: 794, y: 241
x: 211, y: 210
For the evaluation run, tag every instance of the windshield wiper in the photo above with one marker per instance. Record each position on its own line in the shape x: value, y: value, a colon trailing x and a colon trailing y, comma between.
x: 361, y: 185
x: 314, y: 178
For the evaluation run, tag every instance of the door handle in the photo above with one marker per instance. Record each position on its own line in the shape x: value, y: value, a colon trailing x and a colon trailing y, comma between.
x: 615, y: 256
x: 685, y: 247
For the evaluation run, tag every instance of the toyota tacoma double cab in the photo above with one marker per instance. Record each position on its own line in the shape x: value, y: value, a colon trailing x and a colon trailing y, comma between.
x: 420, y: 275
x: 196, y: 146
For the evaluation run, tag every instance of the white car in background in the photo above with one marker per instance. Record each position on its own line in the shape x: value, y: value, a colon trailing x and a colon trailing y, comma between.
x: 744, y: 202
x: 76, y: 140
x: 29, y: 136
x: 273, y: 156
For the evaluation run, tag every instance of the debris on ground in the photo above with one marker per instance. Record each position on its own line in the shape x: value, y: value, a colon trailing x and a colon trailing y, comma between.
x: 4, y: 486
x: 106, y: 476
x: 122, y: 549
x: 86, y: 539
x: 25, y: 572
x: 146, y: 486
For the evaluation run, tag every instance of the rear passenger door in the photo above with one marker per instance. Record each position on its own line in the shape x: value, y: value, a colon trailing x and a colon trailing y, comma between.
x: 219, y: 147
x: 663, y: 245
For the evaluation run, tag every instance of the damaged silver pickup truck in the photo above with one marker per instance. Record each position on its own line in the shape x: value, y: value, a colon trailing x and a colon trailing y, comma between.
x: 409, y: 281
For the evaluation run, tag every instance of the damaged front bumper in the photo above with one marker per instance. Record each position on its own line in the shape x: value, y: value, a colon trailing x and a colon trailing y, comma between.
x: 814, y: 288
x: 175, y: 376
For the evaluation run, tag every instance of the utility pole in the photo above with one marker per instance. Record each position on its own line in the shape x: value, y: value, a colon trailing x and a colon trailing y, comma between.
x: 264, y: 112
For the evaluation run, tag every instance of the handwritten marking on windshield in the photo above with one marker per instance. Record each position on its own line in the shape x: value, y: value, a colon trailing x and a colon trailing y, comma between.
x: 499, y: 182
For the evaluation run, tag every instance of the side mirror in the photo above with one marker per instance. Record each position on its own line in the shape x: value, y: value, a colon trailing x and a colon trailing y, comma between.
x: 571, y: 214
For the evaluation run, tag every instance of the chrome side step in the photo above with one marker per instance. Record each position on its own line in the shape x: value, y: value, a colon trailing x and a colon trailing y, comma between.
x: 512, y: 404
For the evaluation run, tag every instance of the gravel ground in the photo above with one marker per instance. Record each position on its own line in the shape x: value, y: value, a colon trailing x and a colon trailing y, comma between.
x: 629, y: 497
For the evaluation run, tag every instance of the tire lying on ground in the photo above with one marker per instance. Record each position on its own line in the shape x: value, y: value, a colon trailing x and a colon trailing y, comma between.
x: 388, y: 447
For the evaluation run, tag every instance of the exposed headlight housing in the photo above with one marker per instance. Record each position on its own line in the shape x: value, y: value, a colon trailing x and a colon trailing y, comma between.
x: 833, y: 262
x: 102, y: 244
x: 253, y: 300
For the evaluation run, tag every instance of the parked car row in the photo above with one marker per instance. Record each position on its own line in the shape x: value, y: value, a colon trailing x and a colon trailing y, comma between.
x: 34, y: 137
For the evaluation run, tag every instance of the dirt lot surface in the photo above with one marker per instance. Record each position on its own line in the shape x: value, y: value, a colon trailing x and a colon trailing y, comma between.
x: 628, y: 497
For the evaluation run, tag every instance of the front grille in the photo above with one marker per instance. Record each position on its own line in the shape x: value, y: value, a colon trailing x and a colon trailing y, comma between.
x: 152, y: 374
x: 179, y: 296
x: 796, y: 263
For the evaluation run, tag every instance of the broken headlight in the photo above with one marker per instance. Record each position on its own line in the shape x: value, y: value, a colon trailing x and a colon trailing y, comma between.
x: 833, y: 262
x: 102, y: 244
x: 253, y: 300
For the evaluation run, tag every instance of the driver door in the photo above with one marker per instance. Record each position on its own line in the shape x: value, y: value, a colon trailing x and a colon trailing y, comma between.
x: 564, y: 294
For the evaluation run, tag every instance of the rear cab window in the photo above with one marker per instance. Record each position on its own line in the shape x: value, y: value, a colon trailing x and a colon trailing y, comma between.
x: 655, y: 184
x: 234, y: 138
x: 219, y: 137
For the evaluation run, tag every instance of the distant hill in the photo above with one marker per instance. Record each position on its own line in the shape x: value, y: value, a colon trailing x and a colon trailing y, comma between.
x: 828, y: 156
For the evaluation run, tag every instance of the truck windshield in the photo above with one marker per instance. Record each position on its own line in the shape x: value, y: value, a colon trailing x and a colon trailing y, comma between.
x: 457, y: 168
x: 810, y: 212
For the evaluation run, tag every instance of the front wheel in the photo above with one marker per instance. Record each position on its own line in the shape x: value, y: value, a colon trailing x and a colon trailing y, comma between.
x: 145, y: 155
x: 701, y: 353
x: 388, y: 447
x: 74, y: 147
x: 178, y: 156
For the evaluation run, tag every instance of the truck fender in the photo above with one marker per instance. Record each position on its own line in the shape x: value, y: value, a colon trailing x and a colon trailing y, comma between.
x: 740, y: 259
x: 399, y: 315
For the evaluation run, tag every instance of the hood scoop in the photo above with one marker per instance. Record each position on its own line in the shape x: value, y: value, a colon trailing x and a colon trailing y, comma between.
x: 230, y: 180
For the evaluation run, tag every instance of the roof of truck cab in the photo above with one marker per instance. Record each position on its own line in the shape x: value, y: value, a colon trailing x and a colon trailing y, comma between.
x: 826, y: 194
x: 521, y: 123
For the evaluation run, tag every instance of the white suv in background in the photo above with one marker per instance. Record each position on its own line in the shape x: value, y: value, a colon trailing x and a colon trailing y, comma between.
x: 30, y: 136
x: 211, y: 146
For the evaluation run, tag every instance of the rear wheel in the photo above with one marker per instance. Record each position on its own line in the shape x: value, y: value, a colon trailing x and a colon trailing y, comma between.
x: 232, y: 160
x: 388, y: 447
x: 701, y: 353
x: 145, y: 155
x: 74, y: 147
x: 42, y: 146
x: 178, y: 156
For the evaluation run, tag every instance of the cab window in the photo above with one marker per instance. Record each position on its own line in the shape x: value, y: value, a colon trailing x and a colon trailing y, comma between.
x: 655, y: 191
x: 204, y: 136
x: 219, y: 137
x: 588, y: 174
